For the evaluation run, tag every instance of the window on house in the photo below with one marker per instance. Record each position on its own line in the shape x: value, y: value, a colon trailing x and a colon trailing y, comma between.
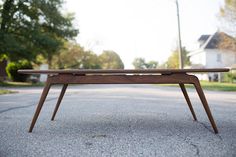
x: 218, y: 58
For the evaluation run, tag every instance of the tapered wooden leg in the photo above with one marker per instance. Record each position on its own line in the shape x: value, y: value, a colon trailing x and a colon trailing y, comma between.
x: 40, y: 104
x: 188, y: 100
x: 205, y: 105
x: 59, y: 100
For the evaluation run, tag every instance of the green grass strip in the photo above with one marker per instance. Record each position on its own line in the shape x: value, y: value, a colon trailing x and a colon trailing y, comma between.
x: 5, y: 91
x: 215, y: 86
x: 19, y: 84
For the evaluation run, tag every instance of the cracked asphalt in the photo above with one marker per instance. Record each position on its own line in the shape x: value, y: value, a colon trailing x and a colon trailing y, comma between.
x: 117, y: 120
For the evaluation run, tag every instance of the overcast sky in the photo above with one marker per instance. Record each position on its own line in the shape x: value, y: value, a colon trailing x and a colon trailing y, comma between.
x: 142, y: 28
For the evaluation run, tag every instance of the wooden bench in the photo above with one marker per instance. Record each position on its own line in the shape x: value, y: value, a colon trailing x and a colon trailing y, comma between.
x: 155, y: 76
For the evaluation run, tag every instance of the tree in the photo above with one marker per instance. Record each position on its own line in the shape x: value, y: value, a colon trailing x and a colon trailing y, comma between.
x: 228, y: 15
x: 73, y: 56
x: 173, y: 60
x: 32, y: 27
x: 110, y: 60
x: 140, y: 63
x: 152, y: 65
x: 91, y: 61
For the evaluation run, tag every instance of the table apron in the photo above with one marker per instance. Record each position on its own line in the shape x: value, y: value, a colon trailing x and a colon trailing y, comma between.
x: 121, y: 79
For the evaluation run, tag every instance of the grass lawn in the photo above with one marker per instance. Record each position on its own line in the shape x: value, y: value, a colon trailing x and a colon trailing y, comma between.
x: 4, y: 91
x: 16, y: 84
x: 19, y: 84
x: 216, y: 86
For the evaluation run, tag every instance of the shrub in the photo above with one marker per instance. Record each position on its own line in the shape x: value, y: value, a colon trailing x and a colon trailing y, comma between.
x: 229, y: 77
x: 12, y: 68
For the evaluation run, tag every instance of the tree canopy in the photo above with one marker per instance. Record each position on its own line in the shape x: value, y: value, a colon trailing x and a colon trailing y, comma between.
x: 173, y: 60
x: 110, y: 60
x: 228, y: 14
x: 32, y: 27
x: 73, y: 56
x: 140, y: 63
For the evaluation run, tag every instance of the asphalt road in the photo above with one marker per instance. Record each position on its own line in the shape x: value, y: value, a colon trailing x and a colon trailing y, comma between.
x: 117, y: 120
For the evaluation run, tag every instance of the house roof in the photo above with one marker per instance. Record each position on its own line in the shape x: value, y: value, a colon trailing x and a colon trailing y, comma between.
x: 219, y: 40
x: 203, y: 38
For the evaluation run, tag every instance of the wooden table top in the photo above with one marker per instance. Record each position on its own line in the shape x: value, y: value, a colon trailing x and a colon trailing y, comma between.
x: 121, y: 71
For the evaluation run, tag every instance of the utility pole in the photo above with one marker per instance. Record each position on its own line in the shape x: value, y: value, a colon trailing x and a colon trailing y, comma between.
x: 181, y: 63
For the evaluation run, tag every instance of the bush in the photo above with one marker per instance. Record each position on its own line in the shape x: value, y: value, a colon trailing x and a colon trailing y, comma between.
x: 229, y: 77
x: 12, y: 68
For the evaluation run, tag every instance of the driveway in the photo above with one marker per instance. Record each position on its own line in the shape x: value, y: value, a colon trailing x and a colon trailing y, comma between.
x: 117, y: 120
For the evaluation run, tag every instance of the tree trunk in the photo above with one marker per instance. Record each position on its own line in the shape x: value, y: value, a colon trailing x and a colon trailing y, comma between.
x: 49, y: 61
x: 6, y: 13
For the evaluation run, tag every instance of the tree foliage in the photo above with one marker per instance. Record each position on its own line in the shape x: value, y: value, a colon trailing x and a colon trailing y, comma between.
x: 73, y: 56
x: 110, y: 60
x: 152, y: 65
x: 32, y: 27
x: 228, y: 14
x: 13, y: 67
x: 173, y: 60
x: 140, y: 63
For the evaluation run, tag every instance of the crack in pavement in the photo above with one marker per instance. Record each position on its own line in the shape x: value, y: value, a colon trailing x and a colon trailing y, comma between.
x: 196, y: 147
x: 197, y: 150
x: 217, y: 135
x: 205, y: 126
x: 187, y: 140
x: 26, y: 106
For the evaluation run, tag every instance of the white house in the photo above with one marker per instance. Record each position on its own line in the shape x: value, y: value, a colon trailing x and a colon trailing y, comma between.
x: 215, y: 51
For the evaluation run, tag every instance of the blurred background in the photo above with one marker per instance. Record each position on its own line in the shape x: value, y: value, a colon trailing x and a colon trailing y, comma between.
x: 112, y: 34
